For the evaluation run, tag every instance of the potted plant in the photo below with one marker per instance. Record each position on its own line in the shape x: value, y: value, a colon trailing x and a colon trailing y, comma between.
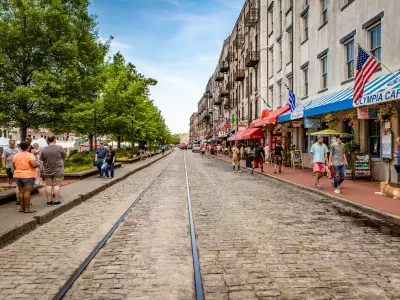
x: 386, y: 111
x: 332, y: 120
x: 350, y: 149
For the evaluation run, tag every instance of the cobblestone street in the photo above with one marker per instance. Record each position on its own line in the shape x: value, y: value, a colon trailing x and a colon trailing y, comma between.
x: 257, y: 239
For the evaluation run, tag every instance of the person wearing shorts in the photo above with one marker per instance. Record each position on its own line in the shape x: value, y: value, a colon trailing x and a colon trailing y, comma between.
x: 52, y: 169
x: 319, y: 152
x: 236, y: 159
x: 259, y: 156
x: 278, y: 158
x: 25, y: 165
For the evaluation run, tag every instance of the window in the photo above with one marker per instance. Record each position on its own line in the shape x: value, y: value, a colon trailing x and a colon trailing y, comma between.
x: 280, y: 16
x: 324, y: 68
x: 305, y: 27
x: 271, y: 20
x: 289, y: 4
x: 306, y: 2
x: 280, y: 55
x: 243, y: 90
x: 290, y: 82
x: 242, y: 111
x: 349, y: 48
x: 305, y: 82
x: 256, y: 79
x: 271, y: 96
x: 324, y: 11
x: 247, y: 87
x: 290, y: 39
x: 256, y: 109
x: 251, y: 111
x: 374, y: 139
x: 375, y: 38
x: 280, y: 93
x: 251, y: 83
x: 271, y: 62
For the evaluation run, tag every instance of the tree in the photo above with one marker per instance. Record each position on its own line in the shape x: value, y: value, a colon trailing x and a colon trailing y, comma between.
x: 50, y: 60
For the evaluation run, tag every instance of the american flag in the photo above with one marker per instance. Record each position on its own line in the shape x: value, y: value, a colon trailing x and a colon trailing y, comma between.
x: 292, y: 99
x: 366, y: 67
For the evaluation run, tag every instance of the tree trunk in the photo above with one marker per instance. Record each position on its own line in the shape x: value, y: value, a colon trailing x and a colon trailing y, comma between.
x: 119, y: 142
x: 91, y: 141
x: 23, y: 129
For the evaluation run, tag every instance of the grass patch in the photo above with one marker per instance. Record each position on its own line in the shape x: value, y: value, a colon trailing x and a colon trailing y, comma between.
x: 78, y: 162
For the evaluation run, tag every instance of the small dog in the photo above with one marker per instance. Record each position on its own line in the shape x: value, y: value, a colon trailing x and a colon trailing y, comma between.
x: 388, y: 191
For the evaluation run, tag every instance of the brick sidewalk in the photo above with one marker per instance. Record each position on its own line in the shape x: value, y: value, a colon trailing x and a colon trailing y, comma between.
x: 356, y: 191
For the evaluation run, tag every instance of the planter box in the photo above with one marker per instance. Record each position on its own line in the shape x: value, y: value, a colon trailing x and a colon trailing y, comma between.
x: 85, y: 174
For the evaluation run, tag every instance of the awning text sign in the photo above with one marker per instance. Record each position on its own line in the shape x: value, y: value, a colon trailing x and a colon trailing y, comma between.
x: 385, y: 96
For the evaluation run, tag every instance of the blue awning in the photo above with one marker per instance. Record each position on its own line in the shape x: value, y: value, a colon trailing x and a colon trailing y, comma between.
x: 343, y: 99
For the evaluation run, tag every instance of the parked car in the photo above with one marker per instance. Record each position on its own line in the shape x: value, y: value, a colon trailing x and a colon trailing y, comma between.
x: 183, y: 146
x: 190, y: 147
x: 196, y: 147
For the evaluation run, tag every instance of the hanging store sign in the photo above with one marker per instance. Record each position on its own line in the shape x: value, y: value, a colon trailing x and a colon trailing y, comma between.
x: 364, y: 113
x: 385, y: 96
x: 312, y: 123
x: 298, y: 113
x: 296, y: 124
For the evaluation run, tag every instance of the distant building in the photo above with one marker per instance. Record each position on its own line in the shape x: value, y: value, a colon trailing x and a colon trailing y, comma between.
x: 194, y: 127
x: 14, y: 133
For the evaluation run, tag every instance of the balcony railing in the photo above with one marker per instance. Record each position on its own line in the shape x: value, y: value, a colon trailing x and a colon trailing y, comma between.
x: 224, y: 92
x: 230, y: 86
x: 218, y: 100
x: 239, y: 75
x: 251, y: 18
x: 252, y: 58
x: 227, y: 104
x: 230, y: 57
x: 219, y: 77
x: 224, y: 67
x: 239, y: 41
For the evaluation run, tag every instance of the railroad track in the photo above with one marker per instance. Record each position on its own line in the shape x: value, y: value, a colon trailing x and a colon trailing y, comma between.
x: 196, y: 266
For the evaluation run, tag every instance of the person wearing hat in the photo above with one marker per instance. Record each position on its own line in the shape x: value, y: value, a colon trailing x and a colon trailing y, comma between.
x: 338, y: 160
x: 319, y: 152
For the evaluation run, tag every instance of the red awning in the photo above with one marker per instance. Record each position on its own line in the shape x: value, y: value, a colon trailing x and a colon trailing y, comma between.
x: 248, y: 134
x: 271, y: 119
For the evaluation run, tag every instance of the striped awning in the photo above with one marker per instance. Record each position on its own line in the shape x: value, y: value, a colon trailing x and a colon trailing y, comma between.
x: 343, y: 99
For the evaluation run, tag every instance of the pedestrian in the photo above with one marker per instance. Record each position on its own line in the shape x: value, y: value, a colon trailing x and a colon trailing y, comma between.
x: 319, y: 157
x: 267, y: 154
x: 8, y: 155
x: 25, y: 166
x: 99, y: 158
x: 110, y: 161
x: 203, y: 150
x: 213, y: 149
x: 52, y: 168
x: 219, y: 149
x: 242, y: 151
x: 397, y: 155
x: 235, y: 158
x: 338, y: 160
x: 259, y: 156
x: 163, y: 150
x: 278, y: 158
x: 35, y: 150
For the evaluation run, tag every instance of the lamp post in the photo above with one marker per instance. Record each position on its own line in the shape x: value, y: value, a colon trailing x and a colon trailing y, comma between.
x: 133, y: 120
x: 95, y: 96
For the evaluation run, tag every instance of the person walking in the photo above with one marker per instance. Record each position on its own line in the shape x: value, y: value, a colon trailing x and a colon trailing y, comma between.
x: 8, y: 156
x: 162, y: 150
x: 259, y: 157
x: 25, y: 166
x: 267, y: 154
x: 52, y: 168
x: 110, y: 161
x: 319, y: 157
x: 338, y: 160
x: 278, y: 158
x: 35, y: 150
x: 236, y: 158
x: 99, y: 158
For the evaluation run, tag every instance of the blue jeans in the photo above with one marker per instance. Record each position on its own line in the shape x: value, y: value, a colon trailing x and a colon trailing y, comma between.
x: 99, y: 163
x: 108, y: 168
x: 339, y: 170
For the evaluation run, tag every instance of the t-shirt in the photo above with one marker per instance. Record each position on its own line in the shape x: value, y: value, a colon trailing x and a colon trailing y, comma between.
x: 22, y: 167
x: 101, y: 152
x: 278, y: 150
x: 110, y: 157
x: 319, y: 151
x: 52, y: 157
x: 337, y: 151
x: 9, y: 154
x: 257, y: 153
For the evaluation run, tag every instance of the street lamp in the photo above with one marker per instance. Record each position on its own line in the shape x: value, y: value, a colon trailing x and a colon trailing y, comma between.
x: 133, y: 120
x: 95, y: 96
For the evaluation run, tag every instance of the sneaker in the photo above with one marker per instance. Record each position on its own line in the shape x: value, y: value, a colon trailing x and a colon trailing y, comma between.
x: 49, y: 203
x: 337, y: 191
x: 57, y: 203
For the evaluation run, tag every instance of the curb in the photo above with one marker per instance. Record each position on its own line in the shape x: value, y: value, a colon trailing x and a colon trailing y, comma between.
x: 384, y: 219
x: 19, y: 231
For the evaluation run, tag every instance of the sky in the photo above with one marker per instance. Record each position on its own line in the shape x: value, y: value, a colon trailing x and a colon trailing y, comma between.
x: 176, y: 42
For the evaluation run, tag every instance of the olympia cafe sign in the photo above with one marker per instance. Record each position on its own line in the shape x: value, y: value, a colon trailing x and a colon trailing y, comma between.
x: 385, y: 96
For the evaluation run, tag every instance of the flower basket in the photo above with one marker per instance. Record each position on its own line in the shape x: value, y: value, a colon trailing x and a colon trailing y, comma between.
x: 333, y: 121
x: 386, y: 111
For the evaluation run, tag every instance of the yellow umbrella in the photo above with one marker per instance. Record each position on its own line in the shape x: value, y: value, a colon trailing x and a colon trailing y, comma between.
x: 329, y: 132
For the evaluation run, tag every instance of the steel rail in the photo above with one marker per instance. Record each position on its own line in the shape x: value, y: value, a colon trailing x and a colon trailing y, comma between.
x: 62, y: 292
x: 196, y: 265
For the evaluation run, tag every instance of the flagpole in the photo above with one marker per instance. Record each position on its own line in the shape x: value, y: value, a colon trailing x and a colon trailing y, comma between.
x: 370, y: 53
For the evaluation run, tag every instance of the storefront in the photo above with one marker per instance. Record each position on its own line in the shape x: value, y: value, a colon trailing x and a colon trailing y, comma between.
x: 373, y: 121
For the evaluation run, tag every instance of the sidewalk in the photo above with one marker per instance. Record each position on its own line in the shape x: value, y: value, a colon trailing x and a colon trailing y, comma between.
x: 14, y: 224
x: 357, y: 192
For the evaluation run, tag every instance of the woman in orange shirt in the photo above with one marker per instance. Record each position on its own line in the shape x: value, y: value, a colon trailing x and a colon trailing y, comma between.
x: 25, y: 166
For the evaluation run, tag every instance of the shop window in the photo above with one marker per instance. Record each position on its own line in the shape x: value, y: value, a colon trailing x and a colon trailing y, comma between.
x: 374, y: 138
x: 305, y: 144
x: 347, y: 128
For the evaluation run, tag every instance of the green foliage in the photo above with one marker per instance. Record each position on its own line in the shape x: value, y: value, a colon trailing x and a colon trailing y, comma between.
x: 126, y: 153
x: 78, y: 161
x: 350, y: 149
